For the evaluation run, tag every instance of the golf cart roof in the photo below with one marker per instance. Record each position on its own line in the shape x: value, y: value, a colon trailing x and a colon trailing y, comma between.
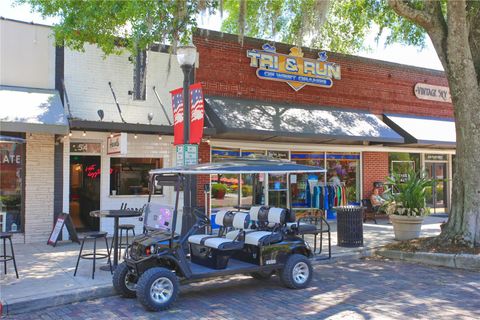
x: 241, y: 165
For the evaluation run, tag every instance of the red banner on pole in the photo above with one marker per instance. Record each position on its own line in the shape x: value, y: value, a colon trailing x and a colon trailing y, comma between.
x: 197, y: 112
x: 178, y: 118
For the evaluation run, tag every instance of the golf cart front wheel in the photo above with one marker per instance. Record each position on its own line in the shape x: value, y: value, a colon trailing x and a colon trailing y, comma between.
x: 297, y: 272
x: 157, y: 289
x: 123, y: 281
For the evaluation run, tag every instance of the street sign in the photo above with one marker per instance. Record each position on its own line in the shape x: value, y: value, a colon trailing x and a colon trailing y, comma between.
x: 187, y: 154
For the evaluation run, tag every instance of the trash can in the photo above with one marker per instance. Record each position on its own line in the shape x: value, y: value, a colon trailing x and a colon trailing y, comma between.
x: 349, y: 226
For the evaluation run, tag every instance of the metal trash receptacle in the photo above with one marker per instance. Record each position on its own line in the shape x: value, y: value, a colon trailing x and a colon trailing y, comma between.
x: 349, y: 226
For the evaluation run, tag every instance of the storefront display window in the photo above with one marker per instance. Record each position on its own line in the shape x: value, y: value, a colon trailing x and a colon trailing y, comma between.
x: 343, y: 169
x: 224, y: 187
x: 11, y: 185
x: 302, y: 184
x: 277, y: 190
x: 402, y: 162
x: 129, y: 176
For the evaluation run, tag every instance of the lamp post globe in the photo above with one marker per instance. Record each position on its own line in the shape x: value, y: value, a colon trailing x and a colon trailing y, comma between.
x: 186, y: 55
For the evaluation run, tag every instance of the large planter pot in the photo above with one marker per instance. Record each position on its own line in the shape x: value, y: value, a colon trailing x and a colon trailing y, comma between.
x: 406, y: 227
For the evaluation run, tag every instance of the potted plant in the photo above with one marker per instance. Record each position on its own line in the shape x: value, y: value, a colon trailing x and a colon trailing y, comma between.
x: 406, y: 203
x: 219, y: 190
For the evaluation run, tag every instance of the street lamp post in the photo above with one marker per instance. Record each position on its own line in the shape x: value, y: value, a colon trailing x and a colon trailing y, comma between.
x: 186, y: 56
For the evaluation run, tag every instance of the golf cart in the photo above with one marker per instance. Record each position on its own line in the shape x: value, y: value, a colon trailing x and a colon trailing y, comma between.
x: 259, y: 241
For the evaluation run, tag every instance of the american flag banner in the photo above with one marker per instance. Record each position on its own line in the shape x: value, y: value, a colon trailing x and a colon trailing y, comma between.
x: 197, y: 112
x: 177, y: 104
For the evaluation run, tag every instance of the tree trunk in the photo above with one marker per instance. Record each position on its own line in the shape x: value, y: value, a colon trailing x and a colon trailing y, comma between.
x: 456, y: 40
x: 464, y: 221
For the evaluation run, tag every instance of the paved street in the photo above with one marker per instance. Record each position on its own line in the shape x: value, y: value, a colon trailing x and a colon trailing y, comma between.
x: 349, y: 289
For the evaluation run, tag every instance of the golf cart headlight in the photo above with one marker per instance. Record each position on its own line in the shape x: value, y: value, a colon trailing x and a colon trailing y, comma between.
x: 150, y: 250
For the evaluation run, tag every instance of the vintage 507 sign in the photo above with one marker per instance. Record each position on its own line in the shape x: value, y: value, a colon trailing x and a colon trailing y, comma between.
x: 294, y: 69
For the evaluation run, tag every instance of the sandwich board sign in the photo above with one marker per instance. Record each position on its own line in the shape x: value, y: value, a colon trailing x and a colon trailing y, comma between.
x: 62, y: 219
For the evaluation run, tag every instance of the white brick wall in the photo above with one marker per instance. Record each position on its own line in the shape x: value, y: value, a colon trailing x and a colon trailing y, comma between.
x: 142, y: 147
x: 39, y: 184
x: 86, y: 80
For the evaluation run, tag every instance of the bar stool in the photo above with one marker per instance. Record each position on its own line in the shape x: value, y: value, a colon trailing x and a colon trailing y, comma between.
x: 94, y: 256
x: 4, y: 258
x: 127, y: 228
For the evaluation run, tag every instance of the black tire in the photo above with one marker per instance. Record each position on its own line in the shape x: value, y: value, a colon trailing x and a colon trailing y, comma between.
x: 144, y: 286
x: 262, y: 275
x: 120, y: 281
x: 303, y: 265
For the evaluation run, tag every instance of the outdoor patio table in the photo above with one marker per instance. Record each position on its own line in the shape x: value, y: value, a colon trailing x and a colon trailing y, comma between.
x: 116, y: 214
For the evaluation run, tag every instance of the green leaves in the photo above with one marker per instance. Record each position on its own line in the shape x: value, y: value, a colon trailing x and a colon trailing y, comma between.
x: 347, y: 23
x: 133, y: 24
x: 408, y: 193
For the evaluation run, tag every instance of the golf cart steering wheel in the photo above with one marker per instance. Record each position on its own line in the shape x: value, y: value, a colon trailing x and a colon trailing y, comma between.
x: 201, y: 217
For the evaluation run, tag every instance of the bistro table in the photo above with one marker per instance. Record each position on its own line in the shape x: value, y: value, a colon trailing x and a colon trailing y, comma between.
x: 116, y: 214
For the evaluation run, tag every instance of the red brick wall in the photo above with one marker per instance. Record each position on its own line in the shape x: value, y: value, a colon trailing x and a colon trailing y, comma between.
x: 203, y: 157
x: 366, y: 84
x: 375, y: 168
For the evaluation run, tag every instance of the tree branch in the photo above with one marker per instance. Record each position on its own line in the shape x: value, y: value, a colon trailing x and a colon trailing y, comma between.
x: 431, y: 19
x: 420, y: 17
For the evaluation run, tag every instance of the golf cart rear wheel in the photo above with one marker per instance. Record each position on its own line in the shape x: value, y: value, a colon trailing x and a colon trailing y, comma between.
x: 297, y: 272
x: 157, y: 289
x: 123, y: 281
x: 261, y: 275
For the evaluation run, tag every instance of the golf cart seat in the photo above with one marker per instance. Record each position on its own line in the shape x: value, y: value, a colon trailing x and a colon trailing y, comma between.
x: 240, y: 221
x: 223, y: 218
x: 258, y: 217
x: 276, y: 216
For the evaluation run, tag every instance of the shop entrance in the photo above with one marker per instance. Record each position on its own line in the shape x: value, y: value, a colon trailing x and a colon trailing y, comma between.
x: 437, y: 196
x: 84, y: 191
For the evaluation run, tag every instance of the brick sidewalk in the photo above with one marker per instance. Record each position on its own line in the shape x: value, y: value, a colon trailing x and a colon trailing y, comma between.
x: 349, y: 289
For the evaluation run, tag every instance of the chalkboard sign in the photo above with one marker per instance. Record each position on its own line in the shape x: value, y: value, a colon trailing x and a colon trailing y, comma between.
x: 62, y: 219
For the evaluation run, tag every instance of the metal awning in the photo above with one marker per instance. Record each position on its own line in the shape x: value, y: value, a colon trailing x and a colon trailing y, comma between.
x: 241, y: 166
x: 267, y: 121
x: 31, y: 110
x: 8, y: 139
x: 423, y: 131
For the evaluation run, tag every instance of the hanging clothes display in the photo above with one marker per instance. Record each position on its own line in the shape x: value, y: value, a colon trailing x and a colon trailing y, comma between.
x: 329, y: 196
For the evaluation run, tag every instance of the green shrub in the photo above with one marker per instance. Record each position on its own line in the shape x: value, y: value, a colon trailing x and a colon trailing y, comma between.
x: 246, y: 190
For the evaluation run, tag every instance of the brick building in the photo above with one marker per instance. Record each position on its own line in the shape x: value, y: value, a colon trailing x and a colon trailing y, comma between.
x: 371, y: 119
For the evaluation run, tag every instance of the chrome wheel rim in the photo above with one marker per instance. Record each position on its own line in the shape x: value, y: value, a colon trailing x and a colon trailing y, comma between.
x: 130, y: 285
x: 300, y: 273
x: 161, y: 290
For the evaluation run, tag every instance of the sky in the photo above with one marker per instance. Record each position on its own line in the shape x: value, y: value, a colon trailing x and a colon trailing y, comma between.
x: 409, y: 55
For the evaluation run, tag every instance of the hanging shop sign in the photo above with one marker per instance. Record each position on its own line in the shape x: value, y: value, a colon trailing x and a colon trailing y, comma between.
x: 117, y: 144
x: 293, y: 68
x: 430, y: 92
x: 436, y: 157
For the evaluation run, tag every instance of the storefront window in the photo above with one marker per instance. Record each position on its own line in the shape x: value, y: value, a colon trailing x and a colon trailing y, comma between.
x: 343, y: 169
x: 224, y: 190
x: 302, y: 184
x: 129, y: 176
x: 402, y: 162
x: 277, y: 190
x: 11, y: 185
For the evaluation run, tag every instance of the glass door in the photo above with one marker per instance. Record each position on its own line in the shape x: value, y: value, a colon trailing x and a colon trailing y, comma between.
x: 84, y: 191
x: 277, y: 190
x: 437, y: 196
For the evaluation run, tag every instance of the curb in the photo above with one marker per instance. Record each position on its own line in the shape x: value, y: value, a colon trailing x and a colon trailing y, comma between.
x: 19, y: 306
x: 457, y: 261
